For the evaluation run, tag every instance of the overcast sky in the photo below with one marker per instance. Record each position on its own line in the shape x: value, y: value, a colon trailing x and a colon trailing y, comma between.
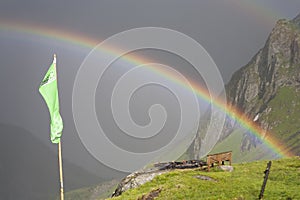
x: 232, y: 31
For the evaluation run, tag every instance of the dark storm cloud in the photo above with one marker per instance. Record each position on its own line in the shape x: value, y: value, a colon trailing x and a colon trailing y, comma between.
x: 217, y: 25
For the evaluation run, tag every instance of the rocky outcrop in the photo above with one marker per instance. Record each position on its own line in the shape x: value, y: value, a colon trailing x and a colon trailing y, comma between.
x: 141, y: 177
x: 151, y: 195
x: 136, y: 179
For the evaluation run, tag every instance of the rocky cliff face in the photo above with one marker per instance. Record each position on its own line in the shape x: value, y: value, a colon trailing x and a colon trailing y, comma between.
x: 267, y: 90
x: 268, y: 87
x: 274, y: 66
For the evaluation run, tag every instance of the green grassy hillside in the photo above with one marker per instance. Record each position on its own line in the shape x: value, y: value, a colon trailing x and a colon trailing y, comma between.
x: 284, y: 117
x: 243, y: 183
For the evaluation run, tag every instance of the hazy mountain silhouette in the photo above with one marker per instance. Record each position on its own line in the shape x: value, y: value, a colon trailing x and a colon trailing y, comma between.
x: 29, y: 169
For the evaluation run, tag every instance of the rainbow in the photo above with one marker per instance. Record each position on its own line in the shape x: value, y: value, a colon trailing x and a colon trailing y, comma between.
x: 264, y: 136
x: 50, y: 33
x: 89, y: 43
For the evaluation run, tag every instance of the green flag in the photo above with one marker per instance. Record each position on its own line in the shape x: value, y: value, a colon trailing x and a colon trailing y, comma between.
x: 49, y: 91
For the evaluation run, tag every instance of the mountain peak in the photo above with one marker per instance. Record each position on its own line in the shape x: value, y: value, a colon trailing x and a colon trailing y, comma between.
x: 296, y: 20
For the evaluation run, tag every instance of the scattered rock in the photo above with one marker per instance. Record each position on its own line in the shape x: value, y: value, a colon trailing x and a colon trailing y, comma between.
x: 151, y: 195
x: 227, y: 168
x: 206, y: 178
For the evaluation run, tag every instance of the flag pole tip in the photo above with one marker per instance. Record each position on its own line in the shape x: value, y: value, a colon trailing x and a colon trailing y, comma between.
x: 54, y: 58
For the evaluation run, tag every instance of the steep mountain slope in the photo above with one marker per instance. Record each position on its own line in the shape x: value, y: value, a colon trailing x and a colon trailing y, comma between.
x: 28, y: 168
x: 267, y: 89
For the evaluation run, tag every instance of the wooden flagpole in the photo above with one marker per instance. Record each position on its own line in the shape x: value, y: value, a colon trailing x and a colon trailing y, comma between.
x: 60, y: 172
x: 61, y: 180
